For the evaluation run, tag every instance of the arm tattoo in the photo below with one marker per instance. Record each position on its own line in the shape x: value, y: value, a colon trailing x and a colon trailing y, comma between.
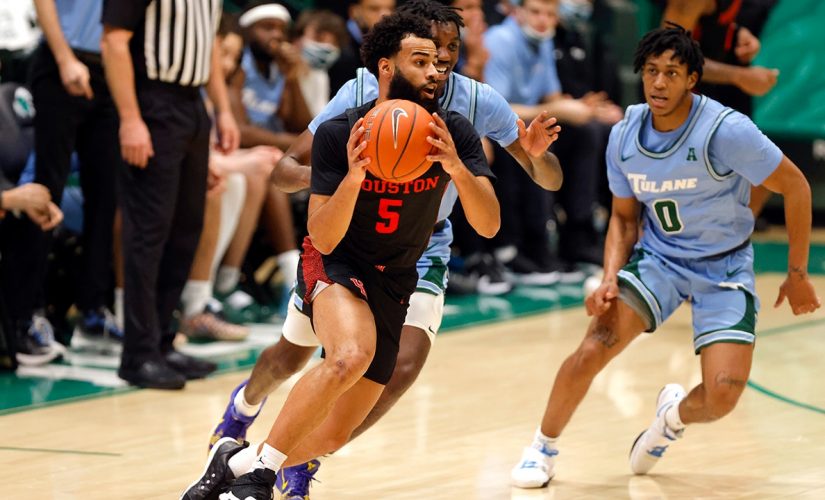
x: 797, y: 270
x: 605, y: 335
x: 725, y: 379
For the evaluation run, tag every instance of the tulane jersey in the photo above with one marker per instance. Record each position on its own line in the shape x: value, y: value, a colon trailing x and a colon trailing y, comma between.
x: 489, y: 113
x: 694, y: 182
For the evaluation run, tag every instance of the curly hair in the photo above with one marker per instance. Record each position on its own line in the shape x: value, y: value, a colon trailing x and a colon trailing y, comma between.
x: 670, y: 37
x: 433, y: 11
x: 384, y: 39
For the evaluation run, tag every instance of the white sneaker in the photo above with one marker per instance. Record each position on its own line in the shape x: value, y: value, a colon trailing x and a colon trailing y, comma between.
x: 653, y: 442
x: 535, y: 469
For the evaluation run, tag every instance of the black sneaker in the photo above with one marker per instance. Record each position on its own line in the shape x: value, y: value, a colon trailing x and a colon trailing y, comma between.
x: 489, y: 274
x: 525, y: 271
x: 217, y: 474
x: 255, y: 485
x: 189, y: 366
x: 98, y: 330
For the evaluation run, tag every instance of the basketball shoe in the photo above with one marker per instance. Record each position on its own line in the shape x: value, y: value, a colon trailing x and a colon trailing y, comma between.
x: 293, y: 482
x: 255, y: 485
x: 217, y: 473
x: 98, y: 330
x: 233, y: 424
x: 654, y: 441
x: 535, y: 469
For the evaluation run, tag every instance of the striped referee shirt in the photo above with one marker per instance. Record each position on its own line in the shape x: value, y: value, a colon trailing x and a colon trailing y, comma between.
x: 172, y: 39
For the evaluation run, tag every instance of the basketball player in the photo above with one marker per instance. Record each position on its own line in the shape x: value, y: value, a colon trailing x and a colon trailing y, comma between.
x: 358, y: 267
x: 492, y: 117
x: 685, y: 164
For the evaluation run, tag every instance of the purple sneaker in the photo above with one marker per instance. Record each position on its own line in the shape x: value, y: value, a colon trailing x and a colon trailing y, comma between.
x: 293, y: 482
x: 233, y: 424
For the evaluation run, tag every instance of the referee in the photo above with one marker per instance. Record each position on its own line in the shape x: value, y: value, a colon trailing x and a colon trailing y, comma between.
x: 157, y: 55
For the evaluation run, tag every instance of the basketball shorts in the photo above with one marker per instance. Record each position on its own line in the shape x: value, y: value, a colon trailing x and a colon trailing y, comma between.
x: 426, y: 304
x: 386, y: 291
x: 720, y: 291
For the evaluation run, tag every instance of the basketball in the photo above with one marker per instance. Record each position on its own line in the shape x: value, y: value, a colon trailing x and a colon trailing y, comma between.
x: 396, y: 132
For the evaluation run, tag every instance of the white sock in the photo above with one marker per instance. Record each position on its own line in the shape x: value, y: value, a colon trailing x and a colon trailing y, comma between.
x: 243, y: 407
x: 241, y: 462
x: 542, y: 442
x: 270, y: 458
x: 672, y: 418
x: 120, y: 317
x: 195, y: 296
x: 232, y: 202
x: 227, y: 279
x: 288, y: 263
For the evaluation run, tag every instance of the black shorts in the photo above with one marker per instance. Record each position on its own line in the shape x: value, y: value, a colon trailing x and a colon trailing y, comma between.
x: 386, y: 291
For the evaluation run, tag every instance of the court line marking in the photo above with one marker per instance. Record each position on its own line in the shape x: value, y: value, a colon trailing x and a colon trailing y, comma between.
x: 67, y: 452
x: 775, y: 395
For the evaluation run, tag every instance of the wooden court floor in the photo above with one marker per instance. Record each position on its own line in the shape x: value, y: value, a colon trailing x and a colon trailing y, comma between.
x: 460, y: 429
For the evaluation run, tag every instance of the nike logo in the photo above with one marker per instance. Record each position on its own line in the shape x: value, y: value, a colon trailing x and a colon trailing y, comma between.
x: 397, y: 113
x: 627, y: 158
x: 431, y: 330
x: 728, y: 274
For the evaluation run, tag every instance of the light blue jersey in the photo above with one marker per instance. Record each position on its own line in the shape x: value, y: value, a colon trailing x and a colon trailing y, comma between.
x: 521, y: 71
x: 491, y: 117
x: 262, y: 96
x: 694, y: 182
x: 80, y: 22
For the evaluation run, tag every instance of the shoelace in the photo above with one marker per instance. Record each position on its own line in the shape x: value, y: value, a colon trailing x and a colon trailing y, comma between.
x: 301, y: 481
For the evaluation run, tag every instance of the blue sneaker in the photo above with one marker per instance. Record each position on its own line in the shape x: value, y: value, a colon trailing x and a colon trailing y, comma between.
x: 98, y: 330
x: 36, y: 344
x: 233, y: 424
x: 293, y: 482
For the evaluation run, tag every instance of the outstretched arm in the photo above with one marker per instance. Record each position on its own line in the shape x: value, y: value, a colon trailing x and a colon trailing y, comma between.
x: 788, y: 181
x: 530, y: 150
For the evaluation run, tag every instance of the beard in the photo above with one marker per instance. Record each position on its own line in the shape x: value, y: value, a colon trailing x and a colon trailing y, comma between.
x: 401, y: 88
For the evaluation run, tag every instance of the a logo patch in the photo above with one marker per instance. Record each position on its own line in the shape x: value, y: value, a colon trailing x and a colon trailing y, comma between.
x: 397, y: 113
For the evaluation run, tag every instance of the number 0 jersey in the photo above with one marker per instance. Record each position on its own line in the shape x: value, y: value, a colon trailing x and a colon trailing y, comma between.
x: 694, y: 182
x: 392, y: 222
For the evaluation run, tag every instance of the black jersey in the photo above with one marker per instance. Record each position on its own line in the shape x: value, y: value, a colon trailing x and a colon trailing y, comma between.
x: 392, y: 222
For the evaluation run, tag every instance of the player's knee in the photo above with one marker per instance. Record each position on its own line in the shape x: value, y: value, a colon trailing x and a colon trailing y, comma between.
x: 721, y: 399
x: 406, y: 371
x: 590, y: 357
x: 350, y: 362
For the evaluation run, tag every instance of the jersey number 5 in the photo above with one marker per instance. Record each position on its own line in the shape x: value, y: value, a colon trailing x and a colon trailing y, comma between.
x: 390, y: 223
x: 667, y: 211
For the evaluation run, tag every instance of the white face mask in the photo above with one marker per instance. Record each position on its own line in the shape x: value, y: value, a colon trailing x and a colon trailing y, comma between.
x: 538, y: 36
x: 320, y: 55
x: 575, y: 10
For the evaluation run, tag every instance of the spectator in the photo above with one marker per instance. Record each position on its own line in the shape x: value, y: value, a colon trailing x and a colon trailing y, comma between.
x: 363, y: 14
x: 473, y: 55
x: 164, y: 138
x: 522, y: 68
x: 320, y: 35
x: 19, y: 35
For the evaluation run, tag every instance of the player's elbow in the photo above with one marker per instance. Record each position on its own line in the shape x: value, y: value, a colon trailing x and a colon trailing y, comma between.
x: 489, y: 226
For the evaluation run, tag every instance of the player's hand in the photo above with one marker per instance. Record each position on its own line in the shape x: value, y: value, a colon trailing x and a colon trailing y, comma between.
x: 75, y: 78
x: 355, y: 146
x: 48, y: 218
x: 229, y: 137
x: 757, y: 80
x: 443, y: 141
x: 800, y: 293
x: 747, y: 45
x: 135, y: 142
x: 598, y: 302
x: 541, y: 133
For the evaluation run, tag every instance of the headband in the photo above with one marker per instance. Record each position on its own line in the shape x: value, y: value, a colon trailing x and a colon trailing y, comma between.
x: 266, y: 11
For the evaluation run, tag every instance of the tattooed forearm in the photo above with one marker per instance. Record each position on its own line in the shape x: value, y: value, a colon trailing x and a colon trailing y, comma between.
x: 605, y: 335
x: 725, y: 379
x: 797, y: 271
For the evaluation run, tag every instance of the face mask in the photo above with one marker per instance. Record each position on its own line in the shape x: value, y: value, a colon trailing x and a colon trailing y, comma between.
x: 320, y: 55
x: 536, y: 36
x: 575, y: 10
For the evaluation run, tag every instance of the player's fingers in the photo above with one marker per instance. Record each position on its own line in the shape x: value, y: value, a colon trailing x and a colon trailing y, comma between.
x: 522, y: 129
x: 780, y: 298
x: 439, y: 120
x: 356, y: 129
x: 439, y: 143
x: 362, y: 163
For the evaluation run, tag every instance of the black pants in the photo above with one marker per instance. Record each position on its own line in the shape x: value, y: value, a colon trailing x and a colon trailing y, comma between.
x: 65, y: 124
x: 162, y: 208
